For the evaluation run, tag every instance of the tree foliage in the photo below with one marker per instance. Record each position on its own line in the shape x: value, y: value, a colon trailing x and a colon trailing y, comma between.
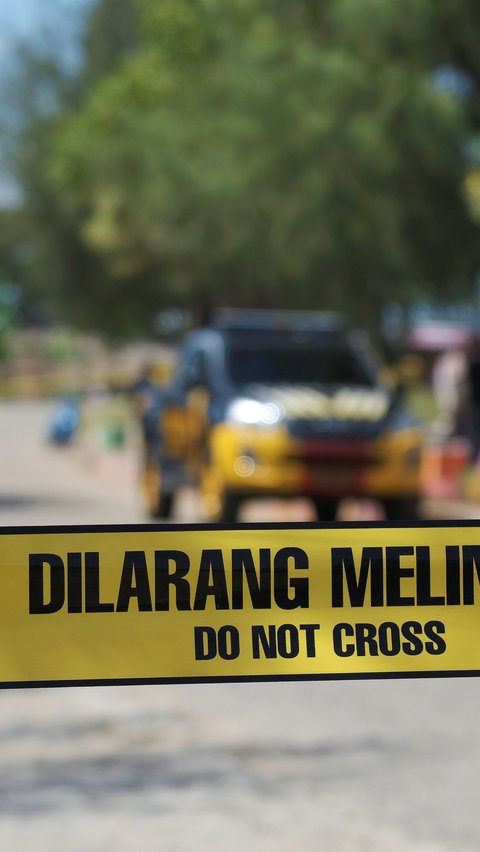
x: 265, y: 152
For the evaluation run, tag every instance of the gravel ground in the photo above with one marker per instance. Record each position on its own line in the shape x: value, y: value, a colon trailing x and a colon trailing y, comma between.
x: 374, y: 766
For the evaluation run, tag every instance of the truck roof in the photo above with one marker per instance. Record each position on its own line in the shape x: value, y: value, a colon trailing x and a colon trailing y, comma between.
x: 238, y: 319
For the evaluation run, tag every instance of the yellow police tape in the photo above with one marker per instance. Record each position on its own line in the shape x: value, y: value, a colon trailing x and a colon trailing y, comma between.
x: 139, y: 604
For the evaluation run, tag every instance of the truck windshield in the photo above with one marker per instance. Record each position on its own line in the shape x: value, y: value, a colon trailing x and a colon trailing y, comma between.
x: 297, y: 365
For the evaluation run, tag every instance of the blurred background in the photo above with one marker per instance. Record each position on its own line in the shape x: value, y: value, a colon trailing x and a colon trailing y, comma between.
x: 178, y: 154
x: 162, y: 159
x: 159, y: 160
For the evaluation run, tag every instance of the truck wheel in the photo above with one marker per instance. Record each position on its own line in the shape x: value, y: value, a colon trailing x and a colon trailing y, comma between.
x: 229, y: 508
x: 326, y: 509
x: 158, y: 504
x: 163, y: 507
x: 401, y: 508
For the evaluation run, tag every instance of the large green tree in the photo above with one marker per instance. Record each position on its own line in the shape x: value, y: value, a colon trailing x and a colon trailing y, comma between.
x: 271, y: 152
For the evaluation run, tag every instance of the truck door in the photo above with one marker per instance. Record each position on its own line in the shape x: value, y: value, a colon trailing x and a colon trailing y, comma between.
x: 185, y: 416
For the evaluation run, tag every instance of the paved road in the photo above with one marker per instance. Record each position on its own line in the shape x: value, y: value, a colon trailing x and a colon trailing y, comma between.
x: 340, y: 767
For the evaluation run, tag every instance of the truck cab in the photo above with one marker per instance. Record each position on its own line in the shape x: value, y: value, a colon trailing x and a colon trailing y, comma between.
x: 281, y: 404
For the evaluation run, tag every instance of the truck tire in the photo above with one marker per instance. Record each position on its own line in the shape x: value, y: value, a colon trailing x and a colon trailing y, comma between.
x: 158, y: 503
x: 163, y: 507
x: 229, y: 508
x: 401, y: 508
x: 326, y: 508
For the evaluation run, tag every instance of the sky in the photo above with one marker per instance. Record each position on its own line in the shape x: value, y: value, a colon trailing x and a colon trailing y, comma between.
x: 26, y: 18
x: 30, y: 20
x: 17, y: 18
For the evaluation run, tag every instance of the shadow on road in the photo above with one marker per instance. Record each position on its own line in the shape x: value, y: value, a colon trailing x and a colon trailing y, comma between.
x: 48, y: 785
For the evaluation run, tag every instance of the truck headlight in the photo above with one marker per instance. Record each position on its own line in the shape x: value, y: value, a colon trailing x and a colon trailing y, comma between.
x: 251, y: 412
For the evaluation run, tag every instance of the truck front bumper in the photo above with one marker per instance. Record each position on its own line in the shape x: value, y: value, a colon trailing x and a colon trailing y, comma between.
x: 272, y: 463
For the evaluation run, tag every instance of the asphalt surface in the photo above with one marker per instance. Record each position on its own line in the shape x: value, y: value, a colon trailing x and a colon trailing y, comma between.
x: 380, y: 766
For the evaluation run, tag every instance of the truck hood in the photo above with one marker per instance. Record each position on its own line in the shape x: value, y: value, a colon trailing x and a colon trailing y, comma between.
x: 307, y: 401
x: 310, y: 410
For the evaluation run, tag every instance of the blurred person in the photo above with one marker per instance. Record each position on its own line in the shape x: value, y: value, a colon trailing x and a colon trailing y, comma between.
x: 449, y: 379
x: 470, y: 407
x: 144, y: 394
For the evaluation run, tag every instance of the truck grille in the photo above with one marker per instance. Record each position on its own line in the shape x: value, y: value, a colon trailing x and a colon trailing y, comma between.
x: 334, y: 428
x: 335, y: 452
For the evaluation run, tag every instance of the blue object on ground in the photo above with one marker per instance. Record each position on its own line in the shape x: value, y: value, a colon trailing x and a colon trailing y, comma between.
x: 64, y: 423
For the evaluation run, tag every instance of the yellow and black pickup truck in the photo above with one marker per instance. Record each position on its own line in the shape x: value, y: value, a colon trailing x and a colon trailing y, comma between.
x: 284, y: 404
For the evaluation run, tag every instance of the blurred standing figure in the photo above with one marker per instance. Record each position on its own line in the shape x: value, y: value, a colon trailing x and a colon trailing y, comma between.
x: 449, y: 384
x: 144, y: 395
x: 472, y: 395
